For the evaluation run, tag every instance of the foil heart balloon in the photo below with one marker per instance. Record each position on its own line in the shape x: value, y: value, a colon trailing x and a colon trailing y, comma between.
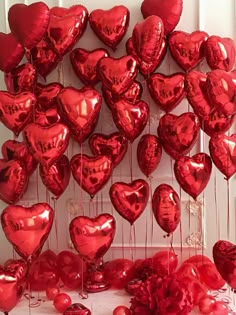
x: 91, y: 173
x: 149, y: 153
x: 66, y: 26
x: 46, y: 144
x: 56, y: 178
x: 27, y: 228
x: 47, y: 118
x: 16, y: 111
x: 110, y: 25
x: 11, y: 52
x: 77, y: 309
x: 193, y: 173
x: 188, y: 50
x: 84, y: 63
x: 13, y: 180
x: 167, y: 91
x: 92, y: 237
x: 178, y: 134
x: 130, y: 200
x: 15, y: 150
x: 223, y: 153
x: 117, y: 75
x: 129, y: 118
x: 47, y: 95
x: 220, y: 53
x: 114, y: 146
x: 23, y: 19
x: 168, y: 10
x: 80, y: 110
x: 166, y: 207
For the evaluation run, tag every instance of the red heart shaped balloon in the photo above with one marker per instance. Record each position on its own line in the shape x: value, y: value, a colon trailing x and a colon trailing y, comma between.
x: 23, y: 19
x: 223, y: 153
x: 47, y: 118
x: 178, y: 134
x: 149, y: 153
x: 130, y: 200
x: 27, y: 228
x: 11, y: 52
x: 118, y: 75
x: 193, y: 173
x: 166, y: 207
x: 56, y: 178
x: 188, y: 50
x: 13, y: 180
x: 220, y: 53
x: 80, y: 109
x: 47, y: 95
x: 46, y: 144
x: 16, y: 111
x: 92, y: 237
x: 91, y: 173
x: 114, y: 146
x: 84, y: 63
x: 168, y: 10
x: 110, y: 25
x: 77, y: 309
x: 167, y: 90
x: 15, y: 150
x: 129, y: 118
x: 17, y: 267
x: 66, y: 26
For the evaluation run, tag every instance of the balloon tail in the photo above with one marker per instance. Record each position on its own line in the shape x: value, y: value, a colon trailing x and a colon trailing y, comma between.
x: 132, y: 241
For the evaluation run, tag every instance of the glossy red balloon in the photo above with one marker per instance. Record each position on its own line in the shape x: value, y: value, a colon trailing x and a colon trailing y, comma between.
x: 16, y: 111
x: 166, y: 207
x: 46, y: 144
x: 11, y: 52
x: 61, y: 302
x: 130, y: 200
x: 51, y: 292
x: 188, y: 270
x: 220, y: 308
x: 121, y: 310
x: 92, y: 237
x: 110, y: 25
x: 129, y: 118
x: 13, y: 180
x: 178, y: 134
x: 114, y: 146
x: 223, y: 153
x: 117, y: 75
x: 119, y: 272
x: 27, y: 228
x: 47, y: 95
x: 193, y: 173
x: 77, y: 309
x: 80, y: 110
x: 165, y: 262
x: 168, y: 10
x: 206, y: 304
x: 91, y: 173
x: 23, y: 19
x: 167, y: 90
x: 47, y: 118
x: 220, y: 53
x: 188, y: 50
x: 149, y: 152
x: 66, y: 26
x: 210, y: 276
x: 15, y: 150
x: 56, y: 177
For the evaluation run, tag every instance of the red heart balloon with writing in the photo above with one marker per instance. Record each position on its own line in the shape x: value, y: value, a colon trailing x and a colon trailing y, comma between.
x: 129, y: 118
x: 27, y: 228
x: 130, y: 200
x: 117, y: 75
x: 114, y: 146
x: 84, y: 63
x: 11, y: 52
x: 91, y: 173
x: 47, y: 95
x: 23, y: 19
x: 220, y: 53
x: 46, y: 144
x: 188, y: 50
x: 16, y: 111
x: 92, y: 237
x: 223, y: 153
x: 47, y: 118
x: 110, y: 25
x: 193, y: 173
x: 167, y: 90
x: 80, y: 110
x: 66, y: 26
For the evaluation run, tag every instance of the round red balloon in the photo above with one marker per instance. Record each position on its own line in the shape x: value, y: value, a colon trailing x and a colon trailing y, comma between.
x: 119, y: 272
x: 61, y: 302
x: 121, y: 310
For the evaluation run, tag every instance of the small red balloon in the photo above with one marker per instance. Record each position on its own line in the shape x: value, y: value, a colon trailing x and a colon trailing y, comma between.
x: 52, y: 292
x: 121, y: 310
x: 119, y: 272
x: 220, y: 308
x: 61, y: 302
x: 206, y: 304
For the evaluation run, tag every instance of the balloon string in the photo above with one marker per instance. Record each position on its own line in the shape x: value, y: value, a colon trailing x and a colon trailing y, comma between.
x: 146, y: 234
x: 180, y: 229
x: 81, y: 177
x: 228, y: 212
x: 203, y: 223
x: 122, y: 239
x: 82, y: 292
x: 56, y: 223
x: 216, y: 207
x: 151, y: 213
x: 48, y: 202
x: 131, y: 160
x: 37, y: 184
x: 131, y: 241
